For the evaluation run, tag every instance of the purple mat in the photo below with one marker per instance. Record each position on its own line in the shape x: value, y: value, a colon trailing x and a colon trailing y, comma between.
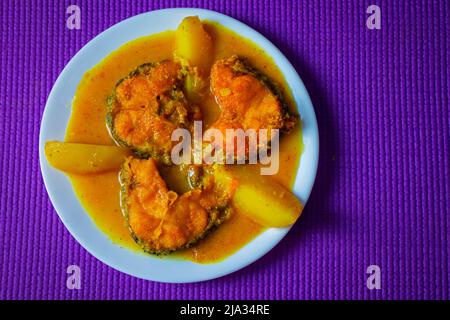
x: 382, y: 192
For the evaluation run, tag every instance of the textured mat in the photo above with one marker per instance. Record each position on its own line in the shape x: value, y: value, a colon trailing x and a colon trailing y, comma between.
x: 382, y: 192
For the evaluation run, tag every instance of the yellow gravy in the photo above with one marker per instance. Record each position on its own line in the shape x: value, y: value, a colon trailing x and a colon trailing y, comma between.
x: 99, y: 193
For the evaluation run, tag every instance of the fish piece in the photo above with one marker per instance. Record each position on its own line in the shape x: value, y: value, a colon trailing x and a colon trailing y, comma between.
x: 160, y: 220
x: 248, y: 99
x: 146, y: 106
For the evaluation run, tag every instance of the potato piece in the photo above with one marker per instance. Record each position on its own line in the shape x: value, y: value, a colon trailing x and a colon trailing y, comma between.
x: 260, y: 197
x: 84, y: 158
x: 195, y: 87
x: 193, y: 44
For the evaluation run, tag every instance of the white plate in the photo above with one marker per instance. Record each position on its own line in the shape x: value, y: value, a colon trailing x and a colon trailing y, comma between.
x: 56, y: 115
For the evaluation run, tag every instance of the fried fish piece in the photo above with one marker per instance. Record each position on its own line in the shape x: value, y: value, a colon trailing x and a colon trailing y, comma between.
x: 146, y: 106
x: 160, y: 220
x: 248, y: 99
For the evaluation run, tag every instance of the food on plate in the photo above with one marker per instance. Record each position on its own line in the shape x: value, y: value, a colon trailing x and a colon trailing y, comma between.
x: 247, y: 99
x: 259, y: 197
x: 194, y: 49
x: 159, y: 219
x: 146, y: 106
x: 84, y: 158
x: 194, y: 45
x: 147, y: 89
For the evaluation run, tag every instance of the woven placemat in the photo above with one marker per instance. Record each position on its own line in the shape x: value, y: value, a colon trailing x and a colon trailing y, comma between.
x: 382, y: 192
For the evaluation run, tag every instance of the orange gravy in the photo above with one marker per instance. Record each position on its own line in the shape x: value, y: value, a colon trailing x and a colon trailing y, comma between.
x: 99, y: 193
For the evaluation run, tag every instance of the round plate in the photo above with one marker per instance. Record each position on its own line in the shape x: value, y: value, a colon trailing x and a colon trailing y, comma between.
x: 78, y: 222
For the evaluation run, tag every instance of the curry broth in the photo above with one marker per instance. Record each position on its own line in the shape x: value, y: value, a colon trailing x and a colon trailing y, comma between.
x: 99, y: 193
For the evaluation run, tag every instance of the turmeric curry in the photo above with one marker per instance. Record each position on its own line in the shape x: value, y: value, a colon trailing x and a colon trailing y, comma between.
x: 118, y: 145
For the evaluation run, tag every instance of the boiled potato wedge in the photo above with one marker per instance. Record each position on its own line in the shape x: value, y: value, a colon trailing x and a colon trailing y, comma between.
x: 260, y: 197
x: 84, y: 158
x: 193, y: 44
x: 195, y: 87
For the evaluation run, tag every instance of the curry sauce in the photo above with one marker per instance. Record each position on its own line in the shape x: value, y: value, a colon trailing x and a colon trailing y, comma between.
x: 99, y: 193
